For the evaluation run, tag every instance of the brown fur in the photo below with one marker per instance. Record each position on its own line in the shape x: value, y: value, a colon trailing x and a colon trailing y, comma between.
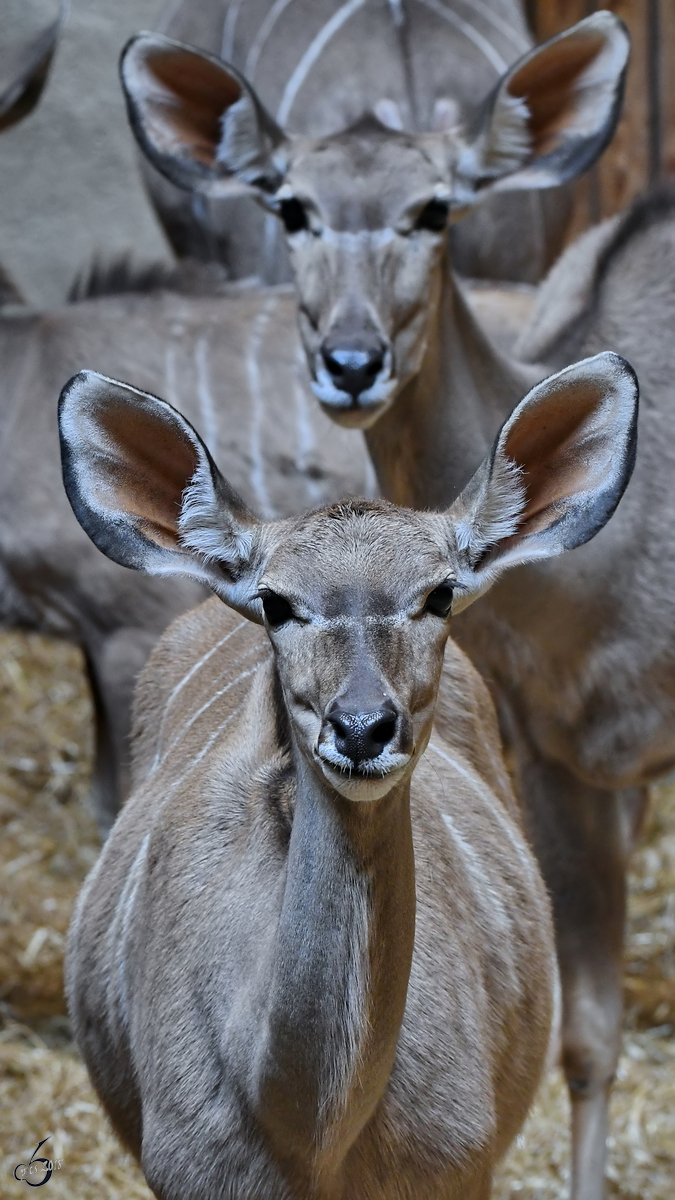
x: 322, y: 957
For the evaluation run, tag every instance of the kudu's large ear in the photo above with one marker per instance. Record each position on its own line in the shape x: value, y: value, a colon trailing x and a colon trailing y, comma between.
x: 144, y: 487
x: 557, y: 471
x: 197, y: 119
x: 23, y: 78
x: 552, y: 113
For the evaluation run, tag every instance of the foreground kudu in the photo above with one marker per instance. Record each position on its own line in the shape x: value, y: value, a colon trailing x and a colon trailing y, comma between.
x: 319, y: 65
x: 299, y: 969
x: 571, y: 648
x: 279, y: 450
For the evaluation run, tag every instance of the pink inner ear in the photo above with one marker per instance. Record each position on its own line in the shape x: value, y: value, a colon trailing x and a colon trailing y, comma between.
x: 551, y: 443
x: 196, y: 93
x: 549, y: 83
x: 150, y: 465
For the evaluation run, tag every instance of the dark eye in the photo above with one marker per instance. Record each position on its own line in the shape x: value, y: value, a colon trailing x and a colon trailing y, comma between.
x: 293, y: 215
x: 434, y: 216
x: 439, y: 602
x: 277, y: 610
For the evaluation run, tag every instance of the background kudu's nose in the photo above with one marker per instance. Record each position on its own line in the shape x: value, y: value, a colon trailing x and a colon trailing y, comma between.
x: 363, y: 735
x: 353, y: 363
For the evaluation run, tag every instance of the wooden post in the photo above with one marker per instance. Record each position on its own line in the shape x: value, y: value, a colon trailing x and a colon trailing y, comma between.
x: 643, y: 147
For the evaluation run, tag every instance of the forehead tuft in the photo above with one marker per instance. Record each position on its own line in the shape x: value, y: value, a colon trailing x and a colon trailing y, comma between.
x: 358, y: 542
x: 368, y: 169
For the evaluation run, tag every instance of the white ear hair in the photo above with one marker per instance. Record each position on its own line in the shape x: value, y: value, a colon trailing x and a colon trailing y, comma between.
x: 388, y: 113
x: 202, y: 525
x: 446, y: 117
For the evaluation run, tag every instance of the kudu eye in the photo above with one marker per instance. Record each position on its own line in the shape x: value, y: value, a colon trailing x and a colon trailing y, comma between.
x: 439, y: 602
x: 293, y: 215
x: 277, y: 610
x: 434, y: 216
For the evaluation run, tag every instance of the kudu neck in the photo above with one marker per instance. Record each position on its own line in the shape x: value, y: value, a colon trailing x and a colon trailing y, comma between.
x: 442, y: 424
x: 339, y: 976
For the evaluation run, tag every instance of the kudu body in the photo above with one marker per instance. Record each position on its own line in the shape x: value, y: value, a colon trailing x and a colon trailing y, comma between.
x: 313, y: 960
x: 281, y: 452
x: 577, y: 651
x: 319, y: 65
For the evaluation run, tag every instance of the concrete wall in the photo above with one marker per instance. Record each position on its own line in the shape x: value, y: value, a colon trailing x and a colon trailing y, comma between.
x: 69, y: 182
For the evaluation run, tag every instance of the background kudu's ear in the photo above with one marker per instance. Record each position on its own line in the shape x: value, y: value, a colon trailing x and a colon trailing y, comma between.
x: 557, y: 471
x: 196, y: 118
x: 552, y: 113
x: 144, y: 487
x: 23, y: 77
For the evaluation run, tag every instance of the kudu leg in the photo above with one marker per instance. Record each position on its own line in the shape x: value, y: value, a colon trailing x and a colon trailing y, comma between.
x: 583, y: 836
x: 113, y: 665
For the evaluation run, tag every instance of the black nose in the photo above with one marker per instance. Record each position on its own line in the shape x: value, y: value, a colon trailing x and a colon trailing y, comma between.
x: 363, y: 735
x: 353, y: 364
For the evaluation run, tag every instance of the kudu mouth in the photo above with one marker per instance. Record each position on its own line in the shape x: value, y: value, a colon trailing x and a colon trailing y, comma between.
x: 364, y: 753
x: 353, y: 377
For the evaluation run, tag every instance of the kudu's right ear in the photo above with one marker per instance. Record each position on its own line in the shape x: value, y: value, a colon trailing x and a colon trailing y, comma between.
x: 144, y: 487
x: 197, y: 119
x: 557, y: 471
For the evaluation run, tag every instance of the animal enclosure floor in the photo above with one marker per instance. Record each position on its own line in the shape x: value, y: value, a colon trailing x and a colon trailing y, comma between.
x: 47, y: 843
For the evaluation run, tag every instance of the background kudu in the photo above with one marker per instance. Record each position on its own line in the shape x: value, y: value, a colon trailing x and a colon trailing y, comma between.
x: 319, y: 65
x: 23, y: 74
x: 284, y: 975
x: 281, y: 452
x: 393, y: 348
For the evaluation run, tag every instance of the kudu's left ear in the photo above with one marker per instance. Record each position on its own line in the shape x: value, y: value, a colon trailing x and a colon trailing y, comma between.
x: 557, y: 471
x: 144, y: 487
x: 197, y: 119
x: 552, y: 113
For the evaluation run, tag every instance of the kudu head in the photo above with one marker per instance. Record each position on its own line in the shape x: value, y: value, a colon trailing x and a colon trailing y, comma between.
x: 356, y: 598
x: 366, y: 210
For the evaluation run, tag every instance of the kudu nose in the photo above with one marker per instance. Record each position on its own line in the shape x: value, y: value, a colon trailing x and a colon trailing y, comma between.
x: 361, y: 736
x: 353, y: 364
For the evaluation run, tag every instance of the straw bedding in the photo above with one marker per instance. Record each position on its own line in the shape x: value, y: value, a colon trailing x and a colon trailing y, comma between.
x: 48, y: 843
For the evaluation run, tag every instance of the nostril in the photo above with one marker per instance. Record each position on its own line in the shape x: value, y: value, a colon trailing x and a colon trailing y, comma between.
x: 375, y: 365
x: 383, y: 732
x: 332, y: 363
x: 340, y: 727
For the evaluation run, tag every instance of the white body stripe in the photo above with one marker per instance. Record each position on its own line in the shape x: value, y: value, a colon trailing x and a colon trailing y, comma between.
x: 207, y: 407
x: 229, y: 27
x: 262, y: 35
x: 186, y: 679
x: 117, y: 937
x: 470, y: 32
x: 519, y: 844
x: 516, y: 39
x: 312, y: 53
x: 206, y: 706
x: 258, y: 415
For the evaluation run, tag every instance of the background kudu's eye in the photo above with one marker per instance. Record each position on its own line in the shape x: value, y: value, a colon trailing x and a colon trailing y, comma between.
x: 293, y: 215
x: 434, y: 216
x: 277, y: 610
x: 439, y: 602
